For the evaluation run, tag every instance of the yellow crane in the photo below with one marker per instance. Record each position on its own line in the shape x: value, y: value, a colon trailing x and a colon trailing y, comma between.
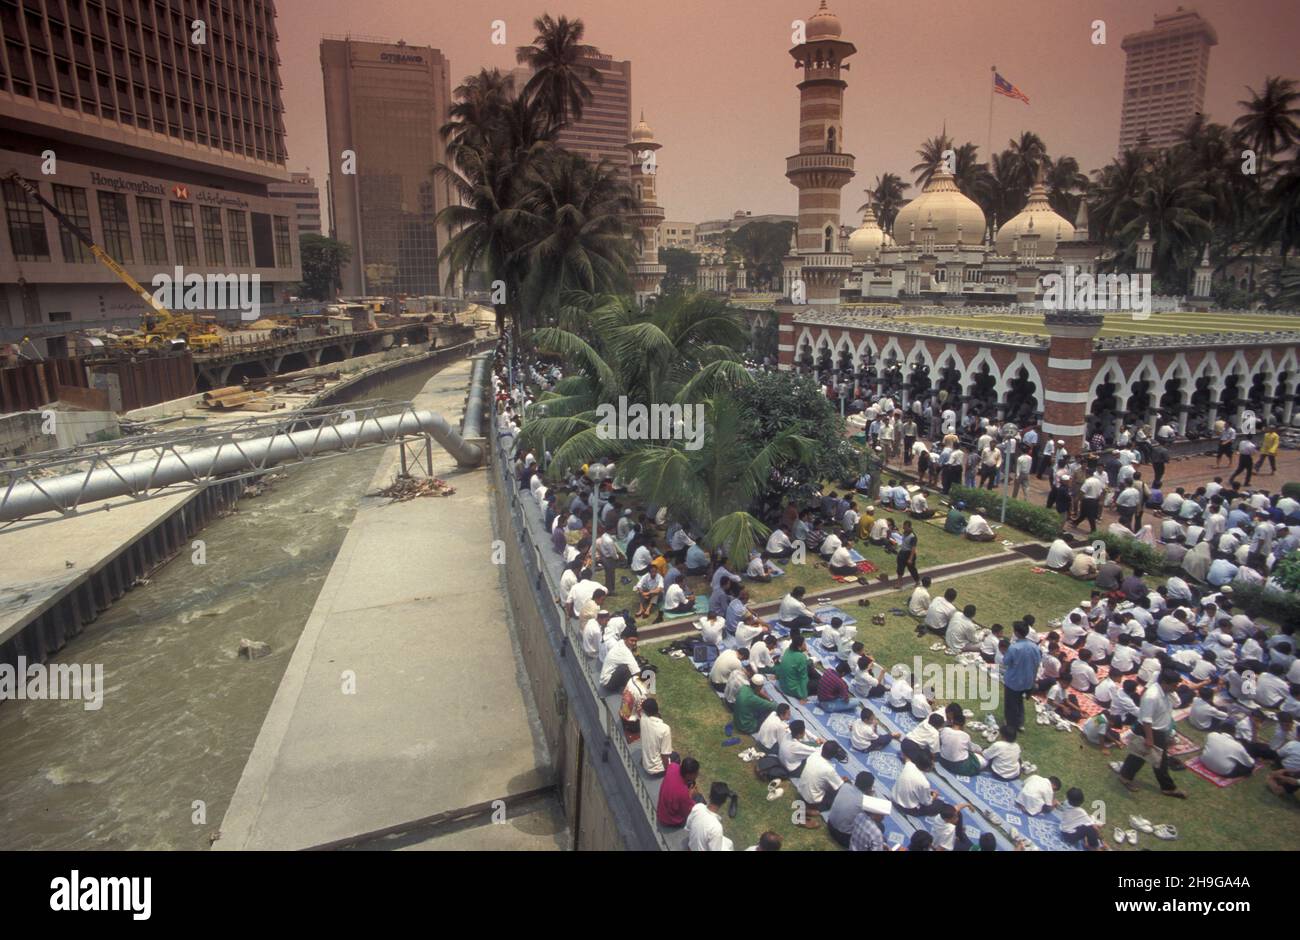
x: 158, y: 327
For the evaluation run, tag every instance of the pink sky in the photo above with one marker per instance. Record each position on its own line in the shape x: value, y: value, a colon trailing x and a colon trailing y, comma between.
x: 718, y: 85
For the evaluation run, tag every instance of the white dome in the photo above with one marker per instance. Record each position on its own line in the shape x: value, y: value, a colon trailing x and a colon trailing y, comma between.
x: 1038, y: 215
x: 944, y: 206
x: 867, y: 240
x: 823, y: 24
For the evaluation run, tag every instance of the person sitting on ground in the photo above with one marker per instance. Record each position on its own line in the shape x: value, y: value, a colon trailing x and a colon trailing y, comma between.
x: 960, y: 634
x: 793, y: 611
x: 923, y: 740
x: 957, y: 752
x: 1084, y: 566
x: 919, y: 602
x: 792, y: 670
x: 656, y: 739
x: 865, y: 734
x: 793, y: 748
x: 620, y: 663
x: 1206, y: 716
x: 988, y: 646
x: 759, y: 569
x: 697, y: 561
x: 752, y: 705
x: 1075, y: 628
x: 1083, y: 677
x: 763, y: 655
x: 1061, y: 700
x: 1110, y: 574
x: 1059, y: 555
x: 912, y: 792
x: 677, y: 601
x: 899, y: 694
x: 949, y: 830
x: 1038, y: 794
x: 1077, y: 826
x: 829, y: 546
x: 704, y: 822
x: 868, y: 833
x: 726, y: 663
x: 649, y: 589
x: 833, y: 690
x: 978, y: 529
x: 881, y: 532
x: 1003, y: 755
x: 955, y: 523
x: 920, y: 506
x: 779, y: 544
x: 677, y: 793
x: 774, y: 727
x: 842, y: 563
x: 848, y: 803
x: 1049, y: 667
x: 818, y: 782
x: 1226, y: 756
x: 938, y: 614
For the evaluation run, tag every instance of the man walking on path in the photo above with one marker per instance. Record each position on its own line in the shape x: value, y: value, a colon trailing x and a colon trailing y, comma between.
x: 1246, y: 451
x: 1019, y: 674
x: 1155, y: 726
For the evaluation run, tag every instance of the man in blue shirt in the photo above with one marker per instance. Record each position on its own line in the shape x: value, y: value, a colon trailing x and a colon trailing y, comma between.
x: 1019, y: 673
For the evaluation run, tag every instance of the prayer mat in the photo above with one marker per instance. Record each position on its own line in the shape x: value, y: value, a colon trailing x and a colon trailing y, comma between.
x: 1197, y: 767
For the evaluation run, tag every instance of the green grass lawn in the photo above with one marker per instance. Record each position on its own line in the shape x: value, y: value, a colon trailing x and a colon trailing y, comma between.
x: 1243, y: 816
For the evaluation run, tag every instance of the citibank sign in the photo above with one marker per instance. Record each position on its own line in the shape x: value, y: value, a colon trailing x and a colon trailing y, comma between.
x: 401, y: 58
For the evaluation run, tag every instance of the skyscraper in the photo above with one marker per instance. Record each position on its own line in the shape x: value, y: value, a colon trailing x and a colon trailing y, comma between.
x: 1164, y: 79
x: 304, y: 195
x: 606, y: 123
x: 384, y: 104
x: 158, y: 146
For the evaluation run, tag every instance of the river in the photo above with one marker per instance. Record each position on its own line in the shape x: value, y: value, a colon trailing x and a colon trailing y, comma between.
x: 156, y: 766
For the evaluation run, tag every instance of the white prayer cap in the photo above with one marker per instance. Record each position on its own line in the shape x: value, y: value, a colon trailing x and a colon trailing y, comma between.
x: 758, y: 680
x: 877, y: 806
x: 1225, y: 639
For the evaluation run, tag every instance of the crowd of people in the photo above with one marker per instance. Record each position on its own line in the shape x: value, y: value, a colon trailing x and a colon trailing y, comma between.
x: 1139, y: 654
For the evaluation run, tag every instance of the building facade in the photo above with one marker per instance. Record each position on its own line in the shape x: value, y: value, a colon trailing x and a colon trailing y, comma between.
x: 677, y: 235
x: 384, y: 104
x: 160, y: 148
x: 606, y: 124
x: 1164, y: 79
x: 303, y: 194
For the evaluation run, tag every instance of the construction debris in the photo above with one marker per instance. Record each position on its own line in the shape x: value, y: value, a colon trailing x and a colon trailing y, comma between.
x: 407, y: 488
x: 253, y: 649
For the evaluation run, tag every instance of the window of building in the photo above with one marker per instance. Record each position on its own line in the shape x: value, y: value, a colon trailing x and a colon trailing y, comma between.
x: 238, y: 223
x: 283, y: 243
x: 26, y: 224
x: 71, y: 201
x: 183, y: 233
x: 116, y: 222
x: 153, y: 234
x: 214, y: 245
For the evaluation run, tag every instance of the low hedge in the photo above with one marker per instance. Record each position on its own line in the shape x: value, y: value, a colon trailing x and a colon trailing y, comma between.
x: 1257, y: 600
x: 1291, y: 489
x: 1135, y: 554
x: 1038, y: 521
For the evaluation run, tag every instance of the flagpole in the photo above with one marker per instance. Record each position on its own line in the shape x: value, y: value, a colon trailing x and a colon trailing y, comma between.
x: 988, y: 154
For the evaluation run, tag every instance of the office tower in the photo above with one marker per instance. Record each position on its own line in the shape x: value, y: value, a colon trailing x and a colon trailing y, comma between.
x: 303, y: 194
x: 384, y: 105
x: 606, y: 123
x: 1164, y: 78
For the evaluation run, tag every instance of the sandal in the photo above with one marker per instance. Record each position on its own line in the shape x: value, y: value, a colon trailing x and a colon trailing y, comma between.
x: 1141, y: 824
x: 1166, y: 831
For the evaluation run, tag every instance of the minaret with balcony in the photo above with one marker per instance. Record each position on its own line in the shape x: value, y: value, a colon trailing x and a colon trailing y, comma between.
x: 821, y: 168
x: 647, y: 273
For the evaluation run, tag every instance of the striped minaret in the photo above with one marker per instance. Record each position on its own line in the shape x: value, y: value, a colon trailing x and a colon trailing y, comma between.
x: 821, y: 168
x: 648, y: 273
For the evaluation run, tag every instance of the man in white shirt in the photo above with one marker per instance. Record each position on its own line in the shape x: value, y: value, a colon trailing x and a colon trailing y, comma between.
x: 704, y: 823
x: 939, y: 612
x: 919, y: 603
x: 592, y: 631
x: 793, y: 611
x: 960, y: 635
x: 848, y: 802
x: 819, y: 779
x: 779, y: 544
x: 1037, y: 794
x: 620, y: 664
x: 978, y: 529
x: 656, y: 739
x: 1154, y: 726
x: 774, y: 729
x: 1226, y: 756
x: 912, y: 793
x: 1059, y: 555
x: 841, y: 560
x: 1003, y: 756
x: 793, y: 750
x: 727, y: 663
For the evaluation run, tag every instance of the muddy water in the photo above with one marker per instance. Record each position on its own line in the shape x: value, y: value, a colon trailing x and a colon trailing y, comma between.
x: 155, y: 767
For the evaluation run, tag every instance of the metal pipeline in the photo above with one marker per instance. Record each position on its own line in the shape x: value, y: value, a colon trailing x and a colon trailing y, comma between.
x: 472, y: 426
x: 55, y: 493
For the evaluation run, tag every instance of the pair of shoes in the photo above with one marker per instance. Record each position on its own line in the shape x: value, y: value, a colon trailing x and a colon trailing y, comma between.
x: 1141, y: 824
x: 1123, y: 835
x: 750, y: 754
x: 878, y: 620
x: 676, y: 654
x: 1027, y: 768
x: 1166, y: 831
x: 774, y: 791
x: 936, y: 647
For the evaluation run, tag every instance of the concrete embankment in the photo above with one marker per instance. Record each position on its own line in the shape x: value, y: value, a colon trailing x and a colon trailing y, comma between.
x: 405, y: 714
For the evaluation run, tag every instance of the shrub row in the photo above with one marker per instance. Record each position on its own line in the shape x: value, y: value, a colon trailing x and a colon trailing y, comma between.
x: 1135, y: 554
x: 1038, y: 521
x: 1259, y: 601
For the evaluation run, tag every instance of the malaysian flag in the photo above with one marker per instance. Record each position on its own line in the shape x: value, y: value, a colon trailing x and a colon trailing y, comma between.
x: 1004, y: 87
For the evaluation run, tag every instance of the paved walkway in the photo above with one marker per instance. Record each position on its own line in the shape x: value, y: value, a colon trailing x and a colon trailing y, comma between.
x: 442, y: 716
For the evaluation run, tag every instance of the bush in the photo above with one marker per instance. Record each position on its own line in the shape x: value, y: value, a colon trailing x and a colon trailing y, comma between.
x: 1287, y: 571
x: 1038, y: 521
x: 1291, y: 489
x: 1134, y: 553
x: 1260, y: 601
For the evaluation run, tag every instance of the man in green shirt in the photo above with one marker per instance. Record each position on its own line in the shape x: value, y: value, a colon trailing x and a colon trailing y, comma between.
x: 956, y: 521
x: 792, y: 670
x: 752, y: 705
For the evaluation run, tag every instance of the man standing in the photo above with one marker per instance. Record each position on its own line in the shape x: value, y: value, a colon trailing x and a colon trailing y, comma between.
x: 1155, y: 722
x: 907, y: 554
x: 1090, y: 501
x: 1268, y: 451
x: 1246, y: 451
x: 1019, y: 674
x: 1024, y: 464
x: 1159, y: 459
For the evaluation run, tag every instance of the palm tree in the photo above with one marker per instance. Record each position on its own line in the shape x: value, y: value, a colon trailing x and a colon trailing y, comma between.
x: 932, y: 158
x: 1065, y: 185
x: 478, y: 100
x: 1114, y: 185
x: 1004, y: 195
x: 972, y: 177
x: 560, y: 61
x: 1271, y: 124
x: 887, y: 197
x: 576, y: 234
x: 1280, y: 223
x: 1173, y: 205
x: 1027, y: 155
